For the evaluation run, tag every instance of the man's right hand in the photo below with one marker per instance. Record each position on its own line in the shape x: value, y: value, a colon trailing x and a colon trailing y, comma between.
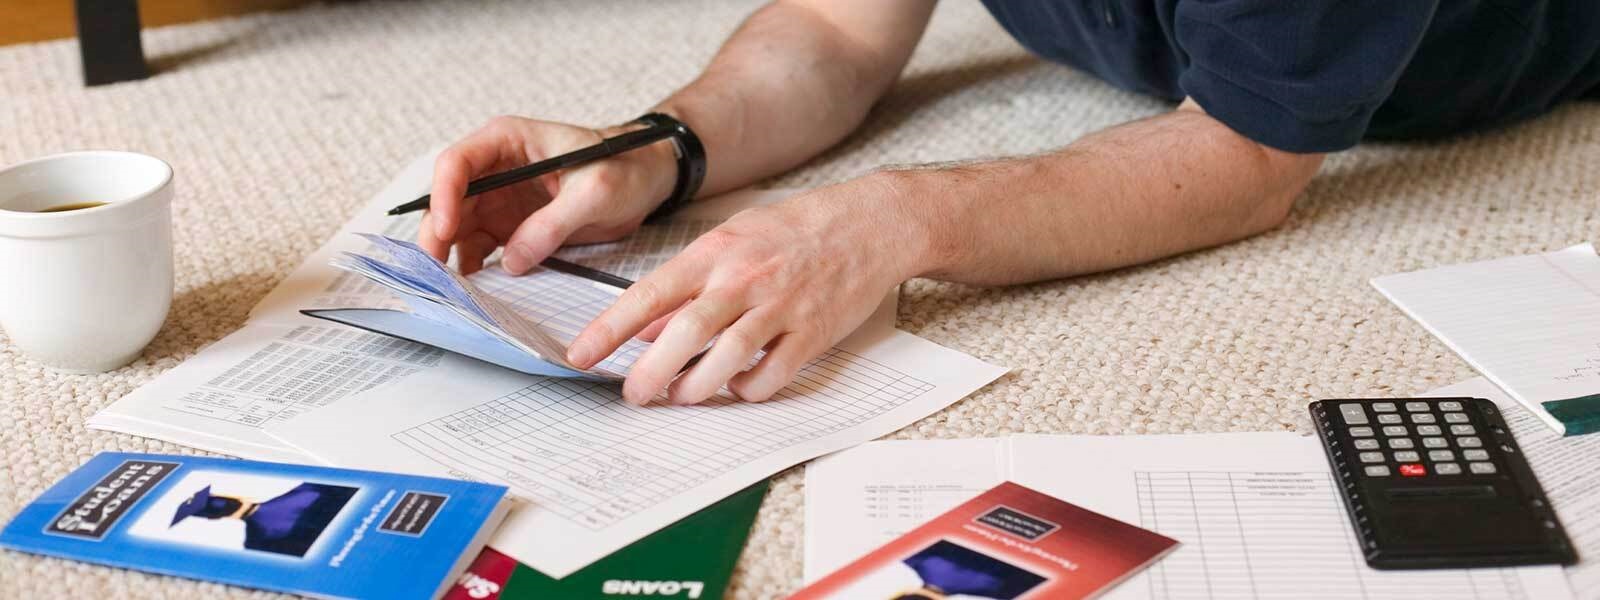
x: 598, y: 202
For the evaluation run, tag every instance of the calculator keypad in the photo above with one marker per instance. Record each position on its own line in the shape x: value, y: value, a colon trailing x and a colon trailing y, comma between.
x: 1384, y: 444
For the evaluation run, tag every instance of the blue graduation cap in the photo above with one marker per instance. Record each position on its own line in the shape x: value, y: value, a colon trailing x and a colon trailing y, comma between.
x: 954, y: 569
x: 192, y: 506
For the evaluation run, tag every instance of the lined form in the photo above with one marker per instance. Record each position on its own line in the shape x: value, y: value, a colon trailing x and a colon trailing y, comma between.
x: 600, y: 473
x: 1531, y: 324
x: 1566, y: 469
x: 1256, y: 513
x: 1278, y: 535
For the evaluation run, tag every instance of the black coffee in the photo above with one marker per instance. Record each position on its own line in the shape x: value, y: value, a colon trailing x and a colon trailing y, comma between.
x: 73, y: 206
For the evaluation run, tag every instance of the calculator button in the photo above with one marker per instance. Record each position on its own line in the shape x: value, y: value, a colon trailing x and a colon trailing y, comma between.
x: 1353, y: 415
x: 1441, y: 455
x: 1388, y: 419
x: 1428, y: 430
x: 1413, y: 470
x: 1462, y: 430
x: 1401, y: 443
x: 1469, y: 442
x: 1434, y: 442
x: 1455, y: 417
x: 1424, y: 418
x: 1383, y: 407
x: 1406, y: 456
x: 1416, y: 407
x: 1447, y: 469
x: 1377, y: 470
x: 1371, y: 457
x: 1360, y: 432
x: 1451, y: 405
x: 1394, y: 430
x: 1475, y: 454
x: 1366, y: 444
x: 1481, y: 468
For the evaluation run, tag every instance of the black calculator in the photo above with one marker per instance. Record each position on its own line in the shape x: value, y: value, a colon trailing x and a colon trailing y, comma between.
x: 1437, y: 483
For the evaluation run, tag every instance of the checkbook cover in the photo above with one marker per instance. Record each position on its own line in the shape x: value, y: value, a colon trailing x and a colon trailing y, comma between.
x: 692, y: 558
x: 1010, y: 542
x: 292, y: 528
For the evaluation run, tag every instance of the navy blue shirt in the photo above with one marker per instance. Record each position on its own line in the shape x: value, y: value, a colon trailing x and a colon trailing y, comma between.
x: 1320, y: 75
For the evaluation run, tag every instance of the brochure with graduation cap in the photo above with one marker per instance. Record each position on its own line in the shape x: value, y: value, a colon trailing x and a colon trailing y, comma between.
x: 333, y: 533
x: 1009, y: 543
x: 691, y: 559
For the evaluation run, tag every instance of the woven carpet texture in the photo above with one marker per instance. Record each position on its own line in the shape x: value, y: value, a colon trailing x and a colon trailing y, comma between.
x: 279, y: 125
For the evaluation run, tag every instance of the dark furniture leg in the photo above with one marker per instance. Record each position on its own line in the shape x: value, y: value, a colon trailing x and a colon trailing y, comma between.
x: 108, y: 37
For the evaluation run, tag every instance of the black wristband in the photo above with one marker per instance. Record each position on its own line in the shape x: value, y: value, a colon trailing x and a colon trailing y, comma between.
x: 691, y: 164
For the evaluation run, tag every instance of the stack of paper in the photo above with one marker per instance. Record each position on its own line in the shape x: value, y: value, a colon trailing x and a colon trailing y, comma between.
x: 1531, y: 324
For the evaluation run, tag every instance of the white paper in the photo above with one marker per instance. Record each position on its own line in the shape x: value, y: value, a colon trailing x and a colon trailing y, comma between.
x: 1569, y: 470
x: 1531, y: 324
x: 860, y: 498
x: 281, y: 364
x: 1256, y: 513
x: 601, y: 473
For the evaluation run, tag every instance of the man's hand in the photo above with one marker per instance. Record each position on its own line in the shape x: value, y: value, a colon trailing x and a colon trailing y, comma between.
x: 792, y: 278
x: 598, y: 202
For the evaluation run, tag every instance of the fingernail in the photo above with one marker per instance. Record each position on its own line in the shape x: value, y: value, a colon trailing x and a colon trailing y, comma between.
x: 440, y: 231
x: 579, y: 354
x: 516, y: 261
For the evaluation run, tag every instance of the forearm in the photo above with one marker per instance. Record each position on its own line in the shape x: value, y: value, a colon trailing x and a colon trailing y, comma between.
x: 1127, y: 195
x: 792, y: 81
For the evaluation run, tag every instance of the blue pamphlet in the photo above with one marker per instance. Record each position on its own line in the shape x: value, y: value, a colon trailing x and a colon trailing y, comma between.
x: 333, y: 533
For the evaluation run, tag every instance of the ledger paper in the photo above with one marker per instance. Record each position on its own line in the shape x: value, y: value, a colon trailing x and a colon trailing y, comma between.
x: 1257, y: 513
x: 599, y: 473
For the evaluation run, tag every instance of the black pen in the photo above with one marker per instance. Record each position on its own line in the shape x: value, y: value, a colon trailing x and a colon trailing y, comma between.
x: 577, y: 270
x: 607, y: 148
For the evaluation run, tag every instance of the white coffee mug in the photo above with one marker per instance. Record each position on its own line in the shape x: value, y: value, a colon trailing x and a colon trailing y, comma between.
x: 85, y: 290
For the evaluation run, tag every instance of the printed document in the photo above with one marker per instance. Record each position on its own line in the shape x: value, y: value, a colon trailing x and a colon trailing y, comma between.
x: 599, y: 473
x: 281, y: 364
x: 1531, y: 324
x: 1257, y: 513
x: 1569, y: 470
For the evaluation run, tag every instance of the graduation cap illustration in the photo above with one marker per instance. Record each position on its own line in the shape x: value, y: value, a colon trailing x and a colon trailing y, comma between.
x: 197, y: 503
x: 946, y: 568
x: 288, y: 523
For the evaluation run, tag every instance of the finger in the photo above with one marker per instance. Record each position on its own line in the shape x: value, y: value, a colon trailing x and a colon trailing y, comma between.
x: 684, y: 336
x: 545, y: 230
x: 653, y: 330
x: 473, y: 156
x: 472, y: 249
x: 777, y: 369
x: 657, y: 294
x: 730, y: 355
x: 435, y: 247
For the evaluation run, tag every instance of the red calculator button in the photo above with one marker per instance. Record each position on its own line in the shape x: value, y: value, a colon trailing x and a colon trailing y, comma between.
x: 1413, y: 470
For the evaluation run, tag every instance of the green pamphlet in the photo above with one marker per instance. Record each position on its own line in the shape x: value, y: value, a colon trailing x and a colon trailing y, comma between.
x: 692, y: 558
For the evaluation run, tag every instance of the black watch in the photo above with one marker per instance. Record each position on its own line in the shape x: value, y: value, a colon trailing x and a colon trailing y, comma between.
x: 691, y: 164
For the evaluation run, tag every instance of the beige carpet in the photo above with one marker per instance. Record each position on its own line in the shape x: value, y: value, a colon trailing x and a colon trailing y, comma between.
x: 280, y: 125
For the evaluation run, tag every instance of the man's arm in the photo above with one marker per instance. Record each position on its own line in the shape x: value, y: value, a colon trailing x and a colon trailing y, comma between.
x: 1123, y: 196
x: 796, y: 78
x: 796, y: 277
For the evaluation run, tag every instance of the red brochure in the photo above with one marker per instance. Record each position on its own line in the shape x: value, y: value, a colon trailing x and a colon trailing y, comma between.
x: 1010, y: 542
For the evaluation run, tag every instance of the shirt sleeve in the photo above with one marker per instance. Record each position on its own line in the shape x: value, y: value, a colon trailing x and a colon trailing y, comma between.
x: 1297, y: 75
